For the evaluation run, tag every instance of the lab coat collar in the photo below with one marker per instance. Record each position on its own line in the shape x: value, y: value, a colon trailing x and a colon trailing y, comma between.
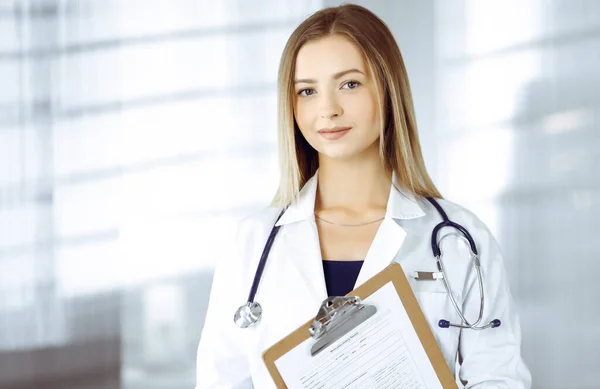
x: 401, y: 203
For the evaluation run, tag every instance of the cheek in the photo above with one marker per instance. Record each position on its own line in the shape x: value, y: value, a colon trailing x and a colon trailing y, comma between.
x: 366, y: 112
x: 304, y: 119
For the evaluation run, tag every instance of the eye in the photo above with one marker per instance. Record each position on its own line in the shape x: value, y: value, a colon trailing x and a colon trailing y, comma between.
x: 351, y: 84
x: 306, y: 92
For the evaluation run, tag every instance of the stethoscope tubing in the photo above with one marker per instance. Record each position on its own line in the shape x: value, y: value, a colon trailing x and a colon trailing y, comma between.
x: 435, y: 247
x: 263, y: 259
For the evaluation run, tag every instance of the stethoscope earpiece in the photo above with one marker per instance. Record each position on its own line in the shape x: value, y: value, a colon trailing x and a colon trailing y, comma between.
x: 446, y: 324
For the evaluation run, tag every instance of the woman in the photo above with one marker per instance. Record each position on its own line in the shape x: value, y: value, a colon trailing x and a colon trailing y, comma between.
x: 351, y: 200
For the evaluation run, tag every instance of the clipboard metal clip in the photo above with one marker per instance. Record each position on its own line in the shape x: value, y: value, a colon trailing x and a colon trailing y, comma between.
x: 336, y: 317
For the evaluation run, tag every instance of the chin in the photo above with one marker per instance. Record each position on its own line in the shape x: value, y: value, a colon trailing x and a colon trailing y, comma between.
x: 339, y: 153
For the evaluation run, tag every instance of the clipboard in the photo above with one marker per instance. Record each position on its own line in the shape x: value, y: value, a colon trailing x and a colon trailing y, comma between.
x: 355, y: 312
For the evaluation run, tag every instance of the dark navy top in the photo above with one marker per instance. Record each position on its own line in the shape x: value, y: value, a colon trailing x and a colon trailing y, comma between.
x: 340, y: 276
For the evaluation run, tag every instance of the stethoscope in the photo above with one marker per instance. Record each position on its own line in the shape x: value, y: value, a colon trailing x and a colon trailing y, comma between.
x: 251, y: 312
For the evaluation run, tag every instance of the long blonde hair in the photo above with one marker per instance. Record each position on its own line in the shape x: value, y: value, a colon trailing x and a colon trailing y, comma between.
x: 399, y: 146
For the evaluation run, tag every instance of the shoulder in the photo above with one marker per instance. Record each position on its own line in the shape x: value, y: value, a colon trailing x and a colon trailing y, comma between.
x: 486, y: 244
x: 457, y: 214
x: 240, y: 257
x: 258, y: 220
x: 253, y: 229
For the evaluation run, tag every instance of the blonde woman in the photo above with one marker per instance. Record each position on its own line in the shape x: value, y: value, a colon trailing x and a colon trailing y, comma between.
x: 354, y: 196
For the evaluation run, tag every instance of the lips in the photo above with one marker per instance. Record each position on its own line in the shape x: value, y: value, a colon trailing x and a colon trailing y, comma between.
x: 333, y: 130
x: 334, y: 133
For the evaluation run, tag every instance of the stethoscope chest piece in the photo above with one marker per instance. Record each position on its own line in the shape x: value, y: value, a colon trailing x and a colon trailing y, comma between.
x: 248, y: 314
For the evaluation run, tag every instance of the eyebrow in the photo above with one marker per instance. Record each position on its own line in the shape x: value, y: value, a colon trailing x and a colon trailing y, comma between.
x: 335, y: 76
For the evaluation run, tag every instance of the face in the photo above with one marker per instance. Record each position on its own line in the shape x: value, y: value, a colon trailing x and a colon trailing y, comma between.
x: 335, y: 99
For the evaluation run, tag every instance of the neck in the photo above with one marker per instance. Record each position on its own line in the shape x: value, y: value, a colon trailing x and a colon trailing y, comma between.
x: 359, y: 185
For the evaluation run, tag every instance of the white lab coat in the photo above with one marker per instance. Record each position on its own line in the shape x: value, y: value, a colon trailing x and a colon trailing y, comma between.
x: 293, y: 286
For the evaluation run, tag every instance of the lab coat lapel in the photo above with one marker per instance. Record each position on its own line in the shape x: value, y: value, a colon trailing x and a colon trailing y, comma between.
x: 301, y: 239
x: 302, y: 247
x: 390, y: 235
x: 387, y: 242
x: 301, y: 242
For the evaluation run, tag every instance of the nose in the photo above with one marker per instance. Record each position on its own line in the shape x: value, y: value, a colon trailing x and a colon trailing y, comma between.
x: 329, y: 107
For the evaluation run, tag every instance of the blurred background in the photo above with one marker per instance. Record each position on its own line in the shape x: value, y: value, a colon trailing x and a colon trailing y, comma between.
x: 135, y: 133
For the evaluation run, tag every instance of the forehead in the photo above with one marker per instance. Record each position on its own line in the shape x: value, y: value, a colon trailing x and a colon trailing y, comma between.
x: 329, y: 55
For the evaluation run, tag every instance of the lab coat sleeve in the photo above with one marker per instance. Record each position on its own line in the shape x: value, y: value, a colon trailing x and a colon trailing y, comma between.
x: 491, y: 358
x: 221, y: 360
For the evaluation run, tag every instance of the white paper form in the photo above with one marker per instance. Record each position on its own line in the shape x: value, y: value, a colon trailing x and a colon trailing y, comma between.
x: 383, y: 352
